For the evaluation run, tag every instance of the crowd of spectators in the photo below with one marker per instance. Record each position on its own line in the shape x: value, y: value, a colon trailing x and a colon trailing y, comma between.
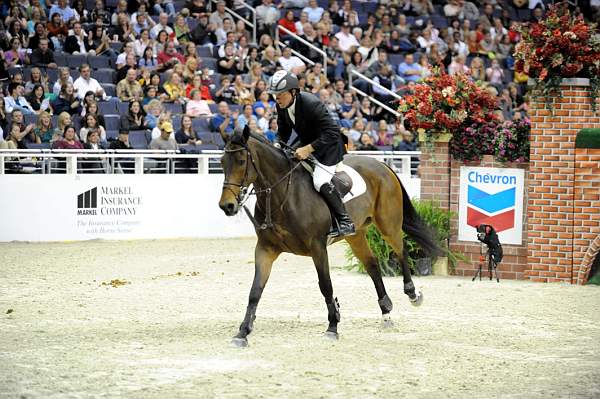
x: 88, y: 73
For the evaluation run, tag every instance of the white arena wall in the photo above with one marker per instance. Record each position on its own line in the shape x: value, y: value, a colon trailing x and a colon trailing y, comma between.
x: 121, y: 207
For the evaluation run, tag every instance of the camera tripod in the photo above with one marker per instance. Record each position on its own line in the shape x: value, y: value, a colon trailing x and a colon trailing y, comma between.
x: 492, y: 265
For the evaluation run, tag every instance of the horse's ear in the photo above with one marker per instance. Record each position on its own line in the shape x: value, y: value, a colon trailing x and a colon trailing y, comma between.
x: 246, y: 132
x: 225, y: 136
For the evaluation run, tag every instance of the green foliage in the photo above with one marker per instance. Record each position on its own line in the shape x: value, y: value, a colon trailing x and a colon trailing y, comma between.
x: 389, y: 263
x: 595, y: 280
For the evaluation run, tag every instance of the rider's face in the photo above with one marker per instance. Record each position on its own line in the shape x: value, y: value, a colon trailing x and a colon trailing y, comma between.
x: 284, y: 99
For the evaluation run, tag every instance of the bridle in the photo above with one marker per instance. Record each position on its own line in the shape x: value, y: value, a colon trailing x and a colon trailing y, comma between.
x: 244, y: 194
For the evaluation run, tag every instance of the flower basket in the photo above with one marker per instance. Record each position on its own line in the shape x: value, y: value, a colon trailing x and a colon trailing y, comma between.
x: 444, y: 103
x: 560, y: 46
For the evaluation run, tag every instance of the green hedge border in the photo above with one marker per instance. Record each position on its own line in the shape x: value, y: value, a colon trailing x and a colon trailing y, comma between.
x: 588, y: 138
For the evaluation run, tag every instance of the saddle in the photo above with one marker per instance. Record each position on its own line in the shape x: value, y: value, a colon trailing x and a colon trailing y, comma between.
x: 341, y: 179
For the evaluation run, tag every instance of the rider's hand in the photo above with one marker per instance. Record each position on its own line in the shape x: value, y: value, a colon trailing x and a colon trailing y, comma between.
x: 303, y: 152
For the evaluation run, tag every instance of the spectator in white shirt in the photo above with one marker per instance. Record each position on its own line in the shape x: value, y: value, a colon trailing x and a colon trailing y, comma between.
x: 314, y: 11
x: 290, y: 62
x: 346, y: 39
x: 162, y: 24
x: 16, y: 101
x: 267, y: 16
x: 85, y: 83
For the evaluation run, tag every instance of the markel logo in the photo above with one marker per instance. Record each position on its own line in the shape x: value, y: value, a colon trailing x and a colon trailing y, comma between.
x: 87, y: 202
x: 497, y: 208
x: 108, y: 201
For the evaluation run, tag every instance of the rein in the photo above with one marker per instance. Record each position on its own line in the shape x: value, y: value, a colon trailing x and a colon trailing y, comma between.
x: 244, y: 194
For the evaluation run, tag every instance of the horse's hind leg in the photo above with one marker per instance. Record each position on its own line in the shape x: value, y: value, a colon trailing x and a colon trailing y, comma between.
x: 360, y: 248
x: 264, y: 258
x: 321, y: 262
x: 390, y: 230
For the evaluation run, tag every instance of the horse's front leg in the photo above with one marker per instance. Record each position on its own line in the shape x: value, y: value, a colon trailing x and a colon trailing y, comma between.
x: 264, y: 256
x: 321, y: 260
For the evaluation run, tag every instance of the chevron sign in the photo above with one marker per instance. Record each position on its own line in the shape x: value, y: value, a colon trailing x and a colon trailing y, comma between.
x: 492, y: 196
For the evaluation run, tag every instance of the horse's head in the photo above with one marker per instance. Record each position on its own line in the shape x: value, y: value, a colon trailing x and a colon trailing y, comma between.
x: 238, y: 170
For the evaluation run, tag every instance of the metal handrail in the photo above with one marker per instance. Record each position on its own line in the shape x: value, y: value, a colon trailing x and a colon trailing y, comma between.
x: 246, y: 22
x: 297, y: 54
x: 376, y: 101
x: 360, y: 75
x: 301, y: 40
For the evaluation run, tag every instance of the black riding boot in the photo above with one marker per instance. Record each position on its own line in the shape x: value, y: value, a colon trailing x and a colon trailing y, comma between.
x: 333, y: 199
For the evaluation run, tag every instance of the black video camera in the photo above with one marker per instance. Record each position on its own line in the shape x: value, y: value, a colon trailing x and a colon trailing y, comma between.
x: 487, y: 235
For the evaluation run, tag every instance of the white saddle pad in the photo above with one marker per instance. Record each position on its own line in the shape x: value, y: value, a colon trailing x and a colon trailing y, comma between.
x: 359, y: 186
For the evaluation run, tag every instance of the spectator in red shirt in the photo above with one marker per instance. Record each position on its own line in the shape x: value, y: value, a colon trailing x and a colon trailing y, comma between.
x: 288, y: 23
x: 169, y: 56
x: 69, y: 140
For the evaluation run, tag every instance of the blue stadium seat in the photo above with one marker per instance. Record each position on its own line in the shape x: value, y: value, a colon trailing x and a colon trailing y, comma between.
x: 112, y: 134
x: 395, y: 59
x: 52, y: 75
x: 113, y: 122
x: 207, y: 138
x: 176, y: 121
x: 76, y: 121
x: 109, y: 88
x: 104, y: 75
x: 99, y: 61
x: 122, y: 107
x: 218, y: 140
x: 210, y: 63
x: 201, y: 125
x: 204, y: 51
x: 29, y: 118
x: 60, y: 58
x: 76, y: 60
x: 213, y: 107
x: 107, y: 108
x: 137, y: 139
x: 41, y: 146
x: 173, y: 108
x: 203, y: 147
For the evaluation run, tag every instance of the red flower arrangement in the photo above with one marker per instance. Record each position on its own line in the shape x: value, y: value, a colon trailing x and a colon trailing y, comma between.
x: 444, y: 103
x: 560, y: 46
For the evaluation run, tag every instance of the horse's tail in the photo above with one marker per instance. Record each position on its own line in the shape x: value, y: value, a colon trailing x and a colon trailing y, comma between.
x: 414, y: 226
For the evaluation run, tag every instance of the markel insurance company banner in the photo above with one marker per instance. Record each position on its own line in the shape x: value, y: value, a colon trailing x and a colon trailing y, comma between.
x: 83, y: 207
x: 491, y: 196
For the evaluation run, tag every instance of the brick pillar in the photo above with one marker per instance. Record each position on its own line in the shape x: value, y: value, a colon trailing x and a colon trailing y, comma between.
x: 586, y: 234
x: 434, y: 171
x: 551, y: 190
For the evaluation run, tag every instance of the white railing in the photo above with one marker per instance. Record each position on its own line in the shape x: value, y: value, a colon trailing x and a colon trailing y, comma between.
x: 151, y: 161
x: 373, y: 99
x: 301, y: 40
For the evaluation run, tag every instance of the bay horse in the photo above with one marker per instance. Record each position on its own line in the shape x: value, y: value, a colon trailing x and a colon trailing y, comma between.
x: 290, y: 216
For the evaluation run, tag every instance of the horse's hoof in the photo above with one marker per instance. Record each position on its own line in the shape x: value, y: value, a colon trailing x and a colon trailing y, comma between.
x: 387, y: 321
x: 239, y: 342
x: 333, y: 336
x: 418, y: 301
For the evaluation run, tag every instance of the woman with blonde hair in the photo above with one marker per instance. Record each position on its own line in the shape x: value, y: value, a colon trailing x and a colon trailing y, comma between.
x: 154, y: 110
x: 174, y: 89
x: 44, y: 130
x: 269, y: 60
x: 245, y: 95
x: 64, y: 77
x: 64, y: 119
x: 37, y: 78
x: 182, y: 30
x: 191, y: 67
x: 477, y: 69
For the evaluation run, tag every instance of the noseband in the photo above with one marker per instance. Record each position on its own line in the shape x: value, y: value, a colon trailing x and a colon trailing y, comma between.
x: 243, y: 195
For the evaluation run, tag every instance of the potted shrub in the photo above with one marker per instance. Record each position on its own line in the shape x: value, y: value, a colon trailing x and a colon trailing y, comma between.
x: 432, y: 215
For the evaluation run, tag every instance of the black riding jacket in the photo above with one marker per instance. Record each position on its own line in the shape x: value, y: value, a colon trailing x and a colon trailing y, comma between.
x: 313, y: 126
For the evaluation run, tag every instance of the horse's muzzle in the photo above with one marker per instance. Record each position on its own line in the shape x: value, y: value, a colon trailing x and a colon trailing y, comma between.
x: 230, y: 208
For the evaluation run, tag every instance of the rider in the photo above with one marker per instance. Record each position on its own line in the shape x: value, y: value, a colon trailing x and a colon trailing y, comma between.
x: 317, y: 134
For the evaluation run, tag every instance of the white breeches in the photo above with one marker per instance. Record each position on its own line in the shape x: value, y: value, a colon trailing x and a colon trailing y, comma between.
x: 322, y: 174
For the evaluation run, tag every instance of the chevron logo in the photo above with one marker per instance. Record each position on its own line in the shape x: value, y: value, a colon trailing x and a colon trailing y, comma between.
x: 496, y: 209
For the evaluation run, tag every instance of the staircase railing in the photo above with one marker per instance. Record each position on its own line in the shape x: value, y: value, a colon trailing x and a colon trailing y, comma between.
x: 371, y: 98
x: 301, y: 40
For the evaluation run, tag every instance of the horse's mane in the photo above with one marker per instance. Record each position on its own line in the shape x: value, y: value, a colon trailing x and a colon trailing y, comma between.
x: 237, y: 138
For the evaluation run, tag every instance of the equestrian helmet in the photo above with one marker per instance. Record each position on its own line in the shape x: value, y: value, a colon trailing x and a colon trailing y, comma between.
x: 282, y: 81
